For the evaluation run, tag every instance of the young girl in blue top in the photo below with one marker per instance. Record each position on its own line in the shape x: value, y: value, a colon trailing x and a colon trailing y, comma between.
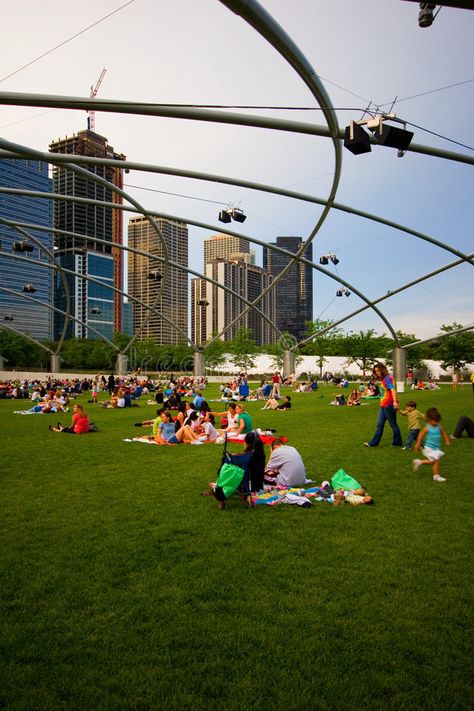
x: 431, y: 435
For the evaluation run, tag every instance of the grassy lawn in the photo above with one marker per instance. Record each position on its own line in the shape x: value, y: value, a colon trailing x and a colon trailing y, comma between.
x: 122, y: 587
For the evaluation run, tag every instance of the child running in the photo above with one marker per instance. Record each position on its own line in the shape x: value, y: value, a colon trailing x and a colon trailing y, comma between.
x: 431, y: 435
x: 414, y: 418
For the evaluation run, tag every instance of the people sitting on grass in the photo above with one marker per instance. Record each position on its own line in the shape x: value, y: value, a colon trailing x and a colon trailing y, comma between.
x: 79, y: 423
x: 166, y: 432
x: 285, y: 466
x: 273, y: 404
x: 338, y: 399
x: 228, y: 418
x: 244, y: 421
x: 354, y: 398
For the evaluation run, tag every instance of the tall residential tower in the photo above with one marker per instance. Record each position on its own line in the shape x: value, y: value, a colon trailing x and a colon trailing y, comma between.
x: 174, y: 301
x: 93, y: 303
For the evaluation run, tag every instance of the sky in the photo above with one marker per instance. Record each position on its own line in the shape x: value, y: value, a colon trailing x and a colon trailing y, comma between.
x: 200, y: 52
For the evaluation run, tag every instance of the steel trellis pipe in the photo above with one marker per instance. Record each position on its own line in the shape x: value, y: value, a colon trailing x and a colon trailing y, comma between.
x: 56, y: 310
x: 256, y: 16
x: 28, y: 338
x: 465, y: 258
x: 141, y: 253
x: 79, y: 103
x: 46, y: 157
x: 101, y: 283
x: 445, y: 334
x: 145, y: 167
x: 28, y: 235
x: 339, y: 280
x: 414, y: 282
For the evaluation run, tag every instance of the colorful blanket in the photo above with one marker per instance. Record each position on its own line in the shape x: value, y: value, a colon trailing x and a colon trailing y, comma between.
x: 266, y: 439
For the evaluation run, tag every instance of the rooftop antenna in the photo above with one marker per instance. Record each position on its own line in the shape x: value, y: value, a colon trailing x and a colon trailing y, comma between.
x: 93, y: 94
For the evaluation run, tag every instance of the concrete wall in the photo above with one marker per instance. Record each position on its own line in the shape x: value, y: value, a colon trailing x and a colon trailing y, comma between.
x: 308, y: 364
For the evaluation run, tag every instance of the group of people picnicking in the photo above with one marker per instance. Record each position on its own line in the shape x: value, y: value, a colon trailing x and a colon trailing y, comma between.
x: 181, y: 421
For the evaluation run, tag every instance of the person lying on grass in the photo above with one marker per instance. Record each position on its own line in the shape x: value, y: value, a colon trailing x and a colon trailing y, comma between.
x: 79, y: 423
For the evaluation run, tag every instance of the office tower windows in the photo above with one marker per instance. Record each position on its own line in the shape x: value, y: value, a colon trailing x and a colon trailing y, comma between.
x: 28, y: 317
x: 173, y: 304
x: 294, y: 293
x: 95, y: 222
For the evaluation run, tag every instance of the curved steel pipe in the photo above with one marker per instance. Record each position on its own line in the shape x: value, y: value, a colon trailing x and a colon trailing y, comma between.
x: 28, y: 235
x: 28, y: 338
x: 80, y: 103
x: 107, y: 286
x: 46, y: 157
x: 261, y: 187
x: 151, y: 256
x: 388, y: 295
x: 261, y: 20
x: 445, y: 334
x: 59, y: 311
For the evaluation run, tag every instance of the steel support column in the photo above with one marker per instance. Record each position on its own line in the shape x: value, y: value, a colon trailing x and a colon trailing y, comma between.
x: 55, y: 363
x: 199, y: 364
x: 399, y: 368
x: 121, y: 364
x: 289, y: 363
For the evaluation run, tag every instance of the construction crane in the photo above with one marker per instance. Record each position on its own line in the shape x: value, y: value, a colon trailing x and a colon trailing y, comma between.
x: 93, y: 94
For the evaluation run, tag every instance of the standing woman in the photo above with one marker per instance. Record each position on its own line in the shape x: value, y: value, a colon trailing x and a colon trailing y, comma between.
x: 387, y: 409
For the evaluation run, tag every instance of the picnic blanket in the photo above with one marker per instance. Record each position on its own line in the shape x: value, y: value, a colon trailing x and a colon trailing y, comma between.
x: 145, y: 440
x: 266, y: 439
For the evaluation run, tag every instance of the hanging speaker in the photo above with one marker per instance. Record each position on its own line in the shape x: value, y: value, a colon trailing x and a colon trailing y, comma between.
x: 360, y: 142
x: 393, y: 137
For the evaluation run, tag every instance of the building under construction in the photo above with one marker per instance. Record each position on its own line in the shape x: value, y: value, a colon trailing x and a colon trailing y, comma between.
x: 95, y: 305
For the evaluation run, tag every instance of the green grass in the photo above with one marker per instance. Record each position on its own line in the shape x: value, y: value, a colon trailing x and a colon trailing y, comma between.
x: 122, y: 587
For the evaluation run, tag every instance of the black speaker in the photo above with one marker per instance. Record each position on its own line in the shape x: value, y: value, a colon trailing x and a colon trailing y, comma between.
x: 393, y: 137
x: 238, y: 215
x: 360, y: 143
x: 224, y: 216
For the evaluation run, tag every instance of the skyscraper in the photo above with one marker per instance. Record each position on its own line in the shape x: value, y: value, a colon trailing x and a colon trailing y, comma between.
x: 222, y: 246
x: 174, y: 301
x: 294, y: 293
x: 28, y: 317
x: 245, y: 279
x: 92, y: 303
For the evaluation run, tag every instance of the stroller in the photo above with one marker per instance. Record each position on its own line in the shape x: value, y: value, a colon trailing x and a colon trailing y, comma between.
x: 235, y: 473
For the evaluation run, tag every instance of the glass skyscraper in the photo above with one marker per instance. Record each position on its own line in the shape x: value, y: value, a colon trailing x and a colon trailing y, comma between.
x: 294, y: 293
x: 31, y: 267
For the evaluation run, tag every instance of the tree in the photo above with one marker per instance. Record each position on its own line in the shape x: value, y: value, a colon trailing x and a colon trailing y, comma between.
x: 19, y: 352
x: 455, y: 351
x: 243, y: 350
x: 364, y: 348
x: 323, y: 345
x: 214, y: 353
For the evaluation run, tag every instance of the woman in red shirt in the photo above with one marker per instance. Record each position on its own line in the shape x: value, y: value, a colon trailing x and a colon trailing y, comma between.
x: 79, y: 423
